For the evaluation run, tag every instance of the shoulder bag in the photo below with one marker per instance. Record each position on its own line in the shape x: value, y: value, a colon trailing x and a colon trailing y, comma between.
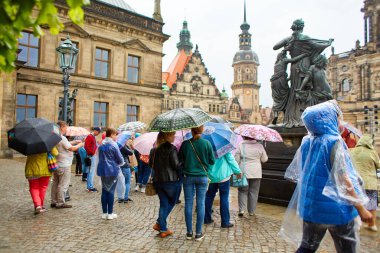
x: 196, y: 153
x: 149, y: 189
x: 240, y: 182
x: 52, y: 162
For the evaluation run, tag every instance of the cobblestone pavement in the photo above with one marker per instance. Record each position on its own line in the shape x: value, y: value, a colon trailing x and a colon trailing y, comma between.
x: 81, y: 229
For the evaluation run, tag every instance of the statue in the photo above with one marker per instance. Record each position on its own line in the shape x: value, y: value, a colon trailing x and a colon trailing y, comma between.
x: 70, y: 104
x: 310, y: 49
x: 157, y: 11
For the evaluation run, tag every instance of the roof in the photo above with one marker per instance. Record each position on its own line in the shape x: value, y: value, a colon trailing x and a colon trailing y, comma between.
x: 177, y: 66
x: 122, y: 4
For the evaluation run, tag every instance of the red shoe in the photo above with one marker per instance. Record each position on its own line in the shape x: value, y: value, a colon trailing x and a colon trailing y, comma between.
x: 157, y: 227
x: 166, y: 233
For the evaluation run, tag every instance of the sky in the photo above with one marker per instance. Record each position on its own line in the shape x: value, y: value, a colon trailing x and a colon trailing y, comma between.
x: 215, y: 26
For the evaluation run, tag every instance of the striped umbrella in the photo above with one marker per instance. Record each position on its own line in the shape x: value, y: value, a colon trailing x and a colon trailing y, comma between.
x: 132, y: 126
x: 179, y: 119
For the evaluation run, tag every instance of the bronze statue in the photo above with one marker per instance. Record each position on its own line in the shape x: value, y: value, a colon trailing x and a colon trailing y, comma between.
x: 70, y: 105
x: 310, y: 49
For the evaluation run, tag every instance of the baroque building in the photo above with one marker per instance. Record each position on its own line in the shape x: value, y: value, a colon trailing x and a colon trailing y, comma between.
x: 117, y: 75
x: 355, y: 75
x: 187, y: 82
x: 245, y: 107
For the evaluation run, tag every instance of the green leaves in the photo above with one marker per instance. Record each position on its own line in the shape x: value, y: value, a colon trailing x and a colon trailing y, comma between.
x: 18, y: 15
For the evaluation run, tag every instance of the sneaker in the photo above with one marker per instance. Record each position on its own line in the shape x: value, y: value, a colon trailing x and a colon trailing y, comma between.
x: 157, y: 227
x: 137, y: 188
x: 67, y: 199
x: 120, y: 201
x: 38, y: 210
x: 128, y: 200
x: 241, y: 213
x: 199, y: 237
x: 165, y: 233
x: 230, y: 225
x: 251, y: 214
x: 372, y: 228
x: 104, y: 216
x: 64, y: 206
x: 142, y: 189
x: 111, y: 216
x: 189, y: 236
x: 209, y: 222
x: 92, y: 190
x: 84, y: 179
x: 53, y: 205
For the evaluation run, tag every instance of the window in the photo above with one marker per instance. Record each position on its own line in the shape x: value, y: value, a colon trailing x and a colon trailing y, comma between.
x: 209, y: 108
x: 26, y: 107
x: 217, y: 108
x: 208, y: 92
x: 101, y: 62
x: 29, y: 46
x: 132, y: 113
x: 346, y: 85
x: 133, y: 68
x: 213, y: 108
x: 100, y: 114
x: 184, y: 89
x: 167, y: 104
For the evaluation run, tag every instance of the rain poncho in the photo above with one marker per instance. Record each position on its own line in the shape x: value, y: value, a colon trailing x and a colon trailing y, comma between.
x: 328, y: 185
x: 366, y: 161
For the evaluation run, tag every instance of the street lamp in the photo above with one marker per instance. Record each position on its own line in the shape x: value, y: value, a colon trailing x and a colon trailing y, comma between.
x: 67, y: 58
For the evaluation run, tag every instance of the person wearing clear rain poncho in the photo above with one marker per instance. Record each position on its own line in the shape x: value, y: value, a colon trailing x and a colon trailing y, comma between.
x: 329, y: 195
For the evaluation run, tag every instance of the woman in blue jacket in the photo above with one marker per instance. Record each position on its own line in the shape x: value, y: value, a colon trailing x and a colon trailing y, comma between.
x: 110, y: 160
x: 220, y: 174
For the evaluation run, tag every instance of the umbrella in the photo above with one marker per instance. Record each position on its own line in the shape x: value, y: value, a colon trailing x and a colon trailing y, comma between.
x: 221, y: 137
x: 258, y: 132
x: 123, y: 137
x: 178, y: 119
x: 132, y: 126
x: 145, y: 142
x: 218, y: 119
x: 352, y: 129
x: 34, y: 136
x: 76, y: 131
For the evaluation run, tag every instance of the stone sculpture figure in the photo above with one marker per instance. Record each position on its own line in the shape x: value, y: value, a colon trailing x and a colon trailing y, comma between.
x: 70, y: 104
x: 279, y: 83
x: 298, y: 44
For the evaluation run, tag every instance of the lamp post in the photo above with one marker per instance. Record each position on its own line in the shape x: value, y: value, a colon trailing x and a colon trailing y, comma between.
x: 67, y: 57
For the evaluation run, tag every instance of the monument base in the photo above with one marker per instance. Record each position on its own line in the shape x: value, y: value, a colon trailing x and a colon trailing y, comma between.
x: 274, y: 189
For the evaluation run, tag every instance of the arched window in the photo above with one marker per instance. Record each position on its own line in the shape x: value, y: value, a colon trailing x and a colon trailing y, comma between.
x: 346, y: 86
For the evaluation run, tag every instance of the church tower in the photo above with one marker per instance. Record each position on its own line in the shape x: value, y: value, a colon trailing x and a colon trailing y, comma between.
x: 371, y: 25
x: 184, y: 40
x: 245, y: 87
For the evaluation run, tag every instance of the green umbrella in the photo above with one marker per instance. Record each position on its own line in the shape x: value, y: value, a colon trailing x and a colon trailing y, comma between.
x: 178, y: 119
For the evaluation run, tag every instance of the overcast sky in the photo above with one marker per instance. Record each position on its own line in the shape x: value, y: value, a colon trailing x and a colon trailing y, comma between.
x: 215, y: 26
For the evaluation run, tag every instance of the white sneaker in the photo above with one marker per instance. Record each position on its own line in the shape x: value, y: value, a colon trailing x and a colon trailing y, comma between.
x: 137, y: 188
x: 142, y: 189
x: 104, y: 216
x: 111, y: 216
x: 372, y: 228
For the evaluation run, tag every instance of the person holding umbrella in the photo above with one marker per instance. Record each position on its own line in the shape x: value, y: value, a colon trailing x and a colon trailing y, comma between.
x: 198, y: 158
x: 62, y: 176
x: 163, y: 159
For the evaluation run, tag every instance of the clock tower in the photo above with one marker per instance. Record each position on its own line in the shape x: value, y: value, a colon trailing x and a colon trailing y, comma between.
x: 245, y: 86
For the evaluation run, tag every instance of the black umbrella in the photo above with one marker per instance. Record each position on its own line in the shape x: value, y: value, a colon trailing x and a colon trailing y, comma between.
x: 33, y: 136
x: 217, y: 119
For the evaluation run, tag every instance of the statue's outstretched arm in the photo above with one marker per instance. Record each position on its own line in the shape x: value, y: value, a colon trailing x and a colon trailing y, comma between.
x: 297, y: 58
x: 281, y: 44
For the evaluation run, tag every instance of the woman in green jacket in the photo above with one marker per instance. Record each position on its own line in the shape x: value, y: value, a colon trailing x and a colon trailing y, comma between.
x: 366, y: 161
x: 220, y: 175
x: 38, y: 175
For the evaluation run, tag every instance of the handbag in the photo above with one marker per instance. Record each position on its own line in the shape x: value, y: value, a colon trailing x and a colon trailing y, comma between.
x: 196, y: 153
x: 240, y: 182
x: 133, y: 161
x: 149, y: 188
x: 52, y: 162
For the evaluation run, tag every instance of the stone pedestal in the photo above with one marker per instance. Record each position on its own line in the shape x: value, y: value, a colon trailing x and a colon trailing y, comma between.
x: 274, y: 188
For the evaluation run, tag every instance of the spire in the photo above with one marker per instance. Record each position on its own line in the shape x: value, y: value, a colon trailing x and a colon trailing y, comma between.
x: 184, y: 39
x: 245, y: 36
x: 157, y: 11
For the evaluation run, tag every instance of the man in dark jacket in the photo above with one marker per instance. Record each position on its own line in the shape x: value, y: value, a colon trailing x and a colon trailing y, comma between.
x: 126, y: 170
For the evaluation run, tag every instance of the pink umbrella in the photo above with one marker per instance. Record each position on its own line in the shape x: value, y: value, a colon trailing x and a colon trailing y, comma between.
x: 258, y: 132
x: 146, y: 141
x: 76, y: 131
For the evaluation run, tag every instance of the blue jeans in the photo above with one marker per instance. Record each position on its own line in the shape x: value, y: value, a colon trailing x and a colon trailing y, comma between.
x: 107, y: 199
x: 144, y: 174
x: 194, y: 186
x: 224, y: 192
x: 167, y: 193
x: 127, y: 176
x: 91, y: 174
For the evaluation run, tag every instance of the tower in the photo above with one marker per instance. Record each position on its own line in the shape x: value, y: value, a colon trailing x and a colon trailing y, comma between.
x: 245, y: 63
x: 184, y: 39
x: 372, y: 25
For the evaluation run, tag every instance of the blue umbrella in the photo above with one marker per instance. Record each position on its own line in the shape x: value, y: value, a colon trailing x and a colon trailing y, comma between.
x: 220, y: 136
x: 123, y: 137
